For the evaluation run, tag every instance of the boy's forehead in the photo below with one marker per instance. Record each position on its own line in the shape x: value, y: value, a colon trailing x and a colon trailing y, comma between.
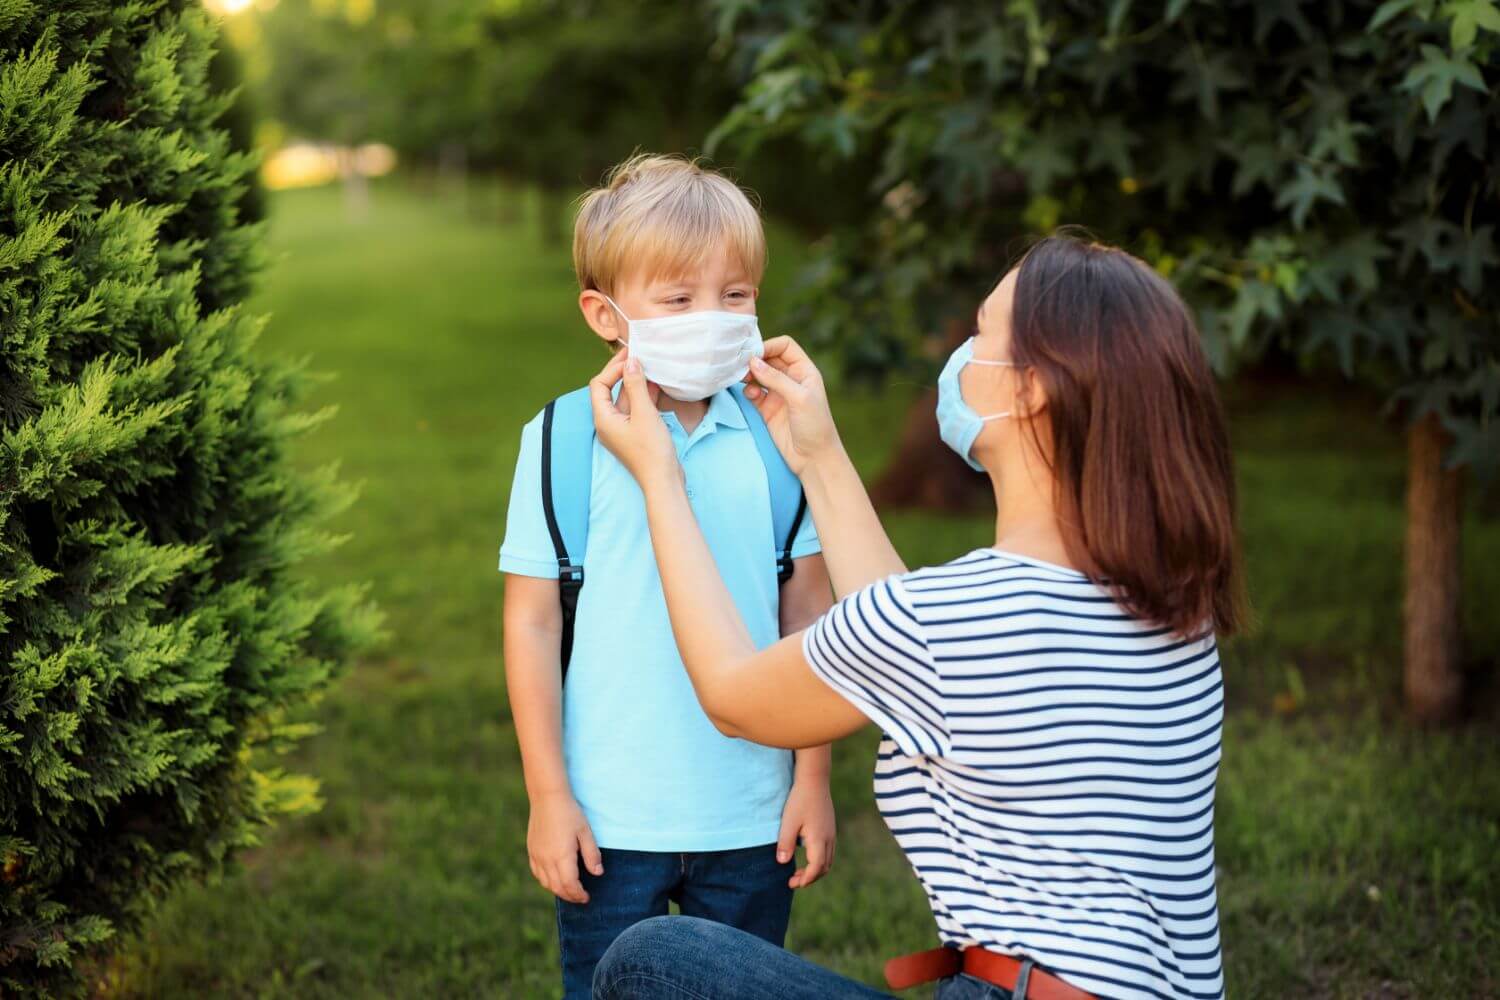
x: 721, y: 264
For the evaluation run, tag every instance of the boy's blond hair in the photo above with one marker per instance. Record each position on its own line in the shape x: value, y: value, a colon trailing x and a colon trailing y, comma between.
x: 664, y: 215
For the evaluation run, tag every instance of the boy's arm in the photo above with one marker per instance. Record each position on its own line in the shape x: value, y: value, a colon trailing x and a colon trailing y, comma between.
x: 558, y: 832
x: 809, y: 809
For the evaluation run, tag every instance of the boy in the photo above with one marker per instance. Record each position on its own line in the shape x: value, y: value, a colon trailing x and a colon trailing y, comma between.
x: 636, y: 799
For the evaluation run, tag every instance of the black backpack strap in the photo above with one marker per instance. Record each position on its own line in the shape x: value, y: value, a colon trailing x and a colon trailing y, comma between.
x: 569, y: 573
x: 784, y: 561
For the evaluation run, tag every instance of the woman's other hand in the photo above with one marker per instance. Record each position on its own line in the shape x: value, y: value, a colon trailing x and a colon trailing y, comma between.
x: 631, y: 427
x: 788, y: 391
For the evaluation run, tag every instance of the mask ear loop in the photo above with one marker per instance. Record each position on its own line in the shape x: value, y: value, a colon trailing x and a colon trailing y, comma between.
x: 993, y: 364
x: 617, y: 308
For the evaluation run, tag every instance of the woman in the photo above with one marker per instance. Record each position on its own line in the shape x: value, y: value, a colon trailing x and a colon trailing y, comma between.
x: 1051, y: 705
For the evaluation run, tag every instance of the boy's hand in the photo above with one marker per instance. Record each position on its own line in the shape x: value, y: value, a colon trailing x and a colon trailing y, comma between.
x: 809, y: 815
x: 555, y: 837
x: 631, y: 427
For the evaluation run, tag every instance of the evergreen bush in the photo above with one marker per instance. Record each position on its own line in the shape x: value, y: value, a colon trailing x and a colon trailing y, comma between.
x: 155, y: 641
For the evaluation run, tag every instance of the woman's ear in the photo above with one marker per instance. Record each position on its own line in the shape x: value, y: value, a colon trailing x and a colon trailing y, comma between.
x: 1031, y: 395
x: 601, y: 317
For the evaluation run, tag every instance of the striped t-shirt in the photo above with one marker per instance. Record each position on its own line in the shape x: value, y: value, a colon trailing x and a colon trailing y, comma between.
x: 1048, y: 766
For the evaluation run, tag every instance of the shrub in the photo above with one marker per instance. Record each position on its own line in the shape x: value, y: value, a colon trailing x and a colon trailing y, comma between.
x: 154, y: 637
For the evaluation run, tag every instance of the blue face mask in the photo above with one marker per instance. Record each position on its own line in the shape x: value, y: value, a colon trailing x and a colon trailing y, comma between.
x: 958, y: 424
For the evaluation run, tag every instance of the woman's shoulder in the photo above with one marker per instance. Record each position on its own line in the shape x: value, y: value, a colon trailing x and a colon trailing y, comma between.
x: 988, y: 569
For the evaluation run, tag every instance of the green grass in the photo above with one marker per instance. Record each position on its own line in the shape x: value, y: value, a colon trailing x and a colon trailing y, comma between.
x: 1357, y: 855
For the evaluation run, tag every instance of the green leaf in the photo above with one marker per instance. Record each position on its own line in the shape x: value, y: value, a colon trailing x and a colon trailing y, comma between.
x: 1270, y: 13
x: 1175, y: 9
x: 1308, y: 188
x: 1255, y: 299
x: 1205, y: 77
x: 1340, y: 138
x: 1255, y: 163
x: 1435, y: 75
x: 1477, y: 445
x: 1388, y: 10
x: 1358, y: 259
x: 1468, y: 17
x: 1478, y: 253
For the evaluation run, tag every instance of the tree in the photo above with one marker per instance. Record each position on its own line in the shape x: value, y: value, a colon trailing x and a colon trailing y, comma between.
x: 548, y: 93
x: 156, y: 641
x: 1316, y: 176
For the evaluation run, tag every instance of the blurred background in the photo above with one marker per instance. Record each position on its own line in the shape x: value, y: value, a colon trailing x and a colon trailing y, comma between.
x: 1319, y: 184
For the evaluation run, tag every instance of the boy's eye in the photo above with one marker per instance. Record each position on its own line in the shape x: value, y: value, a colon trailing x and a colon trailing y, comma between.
x: 737, y: 294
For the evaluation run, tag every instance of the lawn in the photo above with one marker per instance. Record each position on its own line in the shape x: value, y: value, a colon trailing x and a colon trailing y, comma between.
x: 1357, y: 855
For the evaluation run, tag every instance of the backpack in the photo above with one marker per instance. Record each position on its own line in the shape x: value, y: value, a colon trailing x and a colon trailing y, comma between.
x: 567, y: 480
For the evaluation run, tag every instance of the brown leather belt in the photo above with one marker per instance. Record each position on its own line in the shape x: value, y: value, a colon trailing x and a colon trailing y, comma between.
x: 996, y: 969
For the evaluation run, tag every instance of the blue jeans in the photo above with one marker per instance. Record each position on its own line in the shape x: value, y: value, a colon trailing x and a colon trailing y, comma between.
x: 745, y: 889
x: 677, y: 958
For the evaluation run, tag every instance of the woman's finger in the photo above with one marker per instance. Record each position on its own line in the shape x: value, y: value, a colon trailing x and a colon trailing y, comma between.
x: 636, y: 389
x: 779, y: 382
x: 601, y: 388
x: 783, y: 351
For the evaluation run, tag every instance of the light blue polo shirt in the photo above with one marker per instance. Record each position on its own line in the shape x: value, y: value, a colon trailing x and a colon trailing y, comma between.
x: 647, y: 766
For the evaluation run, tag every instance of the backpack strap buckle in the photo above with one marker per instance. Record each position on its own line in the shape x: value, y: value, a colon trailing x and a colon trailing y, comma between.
x: 569, y: 580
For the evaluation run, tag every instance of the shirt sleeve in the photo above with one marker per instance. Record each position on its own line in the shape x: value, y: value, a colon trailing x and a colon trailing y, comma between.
x: 869, y: 648
x: 527, y: 549
x: 806, y: 541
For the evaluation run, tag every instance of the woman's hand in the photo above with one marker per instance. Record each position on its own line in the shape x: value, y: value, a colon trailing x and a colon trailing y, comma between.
x: 788, y: 391
x: 632, y: 428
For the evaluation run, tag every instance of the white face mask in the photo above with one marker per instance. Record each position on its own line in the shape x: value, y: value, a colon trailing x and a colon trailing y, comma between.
x: 694, y: 355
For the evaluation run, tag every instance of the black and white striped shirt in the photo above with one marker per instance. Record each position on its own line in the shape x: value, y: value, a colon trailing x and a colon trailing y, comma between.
x: 1048, y: 766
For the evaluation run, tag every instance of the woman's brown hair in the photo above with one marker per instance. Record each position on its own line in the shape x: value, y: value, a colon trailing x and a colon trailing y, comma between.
x: 1140, y: 450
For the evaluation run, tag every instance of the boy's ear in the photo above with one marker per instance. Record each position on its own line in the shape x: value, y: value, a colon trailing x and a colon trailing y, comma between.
x: 601, y: 317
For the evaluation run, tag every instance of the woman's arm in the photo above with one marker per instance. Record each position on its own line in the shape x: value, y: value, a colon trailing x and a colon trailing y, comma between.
x: 855, y: 546
x: 792, y: 400
x: 771, y: 697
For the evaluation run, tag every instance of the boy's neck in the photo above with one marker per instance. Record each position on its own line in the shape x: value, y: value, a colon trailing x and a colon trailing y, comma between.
x: 689, y: 414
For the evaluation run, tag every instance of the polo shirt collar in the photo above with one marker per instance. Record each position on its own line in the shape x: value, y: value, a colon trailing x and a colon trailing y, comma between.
x: 723, y: 409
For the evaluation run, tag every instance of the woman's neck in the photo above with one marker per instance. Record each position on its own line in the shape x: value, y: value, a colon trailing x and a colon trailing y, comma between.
x: 1026, y: 521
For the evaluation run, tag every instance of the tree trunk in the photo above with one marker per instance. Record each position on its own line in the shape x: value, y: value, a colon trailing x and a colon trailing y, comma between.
x: 924, y: 472
x: 1434, y: 498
